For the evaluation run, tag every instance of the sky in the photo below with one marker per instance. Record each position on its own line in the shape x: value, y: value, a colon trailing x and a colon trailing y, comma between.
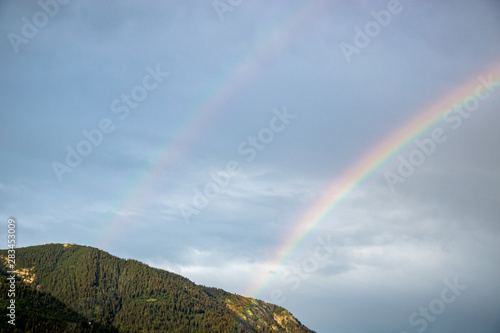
x: 269, y: 148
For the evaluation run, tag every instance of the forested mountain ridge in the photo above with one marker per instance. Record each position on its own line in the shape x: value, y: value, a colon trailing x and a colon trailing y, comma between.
x: 77, y: 288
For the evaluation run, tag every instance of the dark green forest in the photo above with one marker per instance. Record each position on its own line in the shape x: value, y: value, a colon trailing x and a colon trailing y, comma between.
x: 73, y: 288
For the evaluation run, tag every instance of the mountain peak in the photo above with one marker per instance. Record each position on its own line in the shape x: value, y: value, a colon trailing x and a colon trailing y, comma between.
x: 98, y: 291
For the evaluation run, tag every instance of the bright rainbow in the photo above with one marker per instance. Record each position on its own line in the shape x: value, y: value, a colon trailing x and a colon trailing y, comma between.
x: 369, y: 164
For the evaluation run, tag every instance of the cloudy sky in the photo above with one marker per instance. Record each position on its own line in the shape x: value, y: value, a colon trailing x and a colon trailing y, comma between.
x: 196, y: 136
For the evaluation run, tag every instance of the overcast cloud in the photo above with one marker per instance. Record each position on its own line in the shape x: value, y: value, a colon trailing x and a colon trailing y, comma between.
x: 207, y: 78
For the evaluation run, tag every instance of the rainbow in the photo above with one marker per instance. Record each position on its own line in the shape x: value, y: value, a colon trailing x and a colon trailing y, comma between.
x: 199, y: 117
x: 363, y: 169
x: 207, y: 109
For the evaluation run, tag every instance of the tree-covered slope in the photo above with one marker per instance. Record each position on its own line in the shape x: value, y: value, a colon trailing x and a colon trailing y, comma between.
x: 40, y: 312
x: 87, y: 285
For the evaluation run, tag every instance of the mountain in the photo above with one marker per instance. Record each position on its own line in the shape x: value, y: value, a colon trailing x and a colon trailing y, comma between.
x: 74, y: 288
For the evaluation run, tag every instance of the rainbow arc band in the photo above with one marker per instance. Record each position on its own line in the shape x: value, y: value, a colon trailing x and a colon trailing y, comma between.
x: 368, y: 165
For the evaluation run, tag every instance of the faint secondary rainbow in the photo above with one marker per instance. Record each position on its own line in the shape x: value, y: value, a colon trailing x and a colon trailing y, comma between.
x: 363, y: 169
x: 200, y: 116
